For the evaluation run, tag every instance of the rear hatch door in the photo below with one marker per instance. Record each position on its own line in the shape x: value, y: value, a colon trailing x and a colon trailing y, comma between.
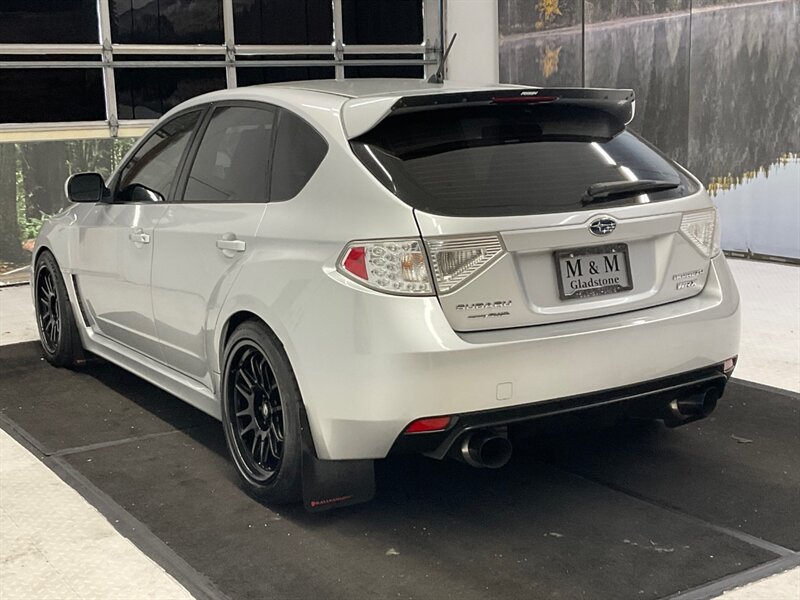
x: 542, y: 208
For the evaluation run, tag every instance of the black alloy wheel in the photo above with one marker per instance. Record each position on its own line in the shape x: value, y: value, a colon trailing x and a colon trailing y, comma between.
x: 258, y: 412
x: 47, y: 309
x: 261, y: 414
x: 58, y: 331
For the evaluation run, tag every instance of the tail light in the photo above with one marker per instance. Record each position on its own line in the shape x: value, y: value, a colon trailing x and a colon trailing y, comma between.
x: 701, y: 227
x: 456, y: 260
x: 392, y: 266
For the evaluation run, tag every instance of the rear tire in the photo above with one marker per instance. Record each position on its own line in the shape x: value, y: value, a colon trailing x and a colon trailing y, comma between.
x: 55, y: 319
x: 261, y: 414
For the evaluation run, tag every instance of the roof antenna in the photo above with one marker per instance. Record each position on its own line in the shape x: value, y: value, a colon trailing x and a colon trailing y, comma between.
x: 438, y: 77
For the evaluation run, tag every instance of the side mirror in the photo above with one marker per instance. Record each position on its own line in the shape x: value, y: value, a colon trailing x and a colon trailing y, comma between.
x: 86, y: 187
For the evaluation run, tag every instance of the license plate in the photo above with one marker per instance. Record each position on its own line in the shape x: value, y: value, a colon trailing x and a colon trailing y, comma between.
x: 593, y: 271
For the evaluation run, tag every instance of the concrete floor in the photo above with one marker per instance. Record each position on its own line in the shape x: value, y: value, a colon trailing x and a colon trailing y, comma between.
x: 41, y: 557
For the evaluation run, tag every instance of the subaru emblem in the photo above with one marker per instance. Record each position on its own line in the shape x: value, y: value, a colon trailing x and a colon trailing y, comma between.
x: 603, y: 226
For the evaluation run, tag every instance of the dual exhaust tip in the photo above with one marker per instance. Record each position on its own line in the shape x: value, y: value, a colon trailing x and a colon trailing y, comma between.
x: 491, y: 449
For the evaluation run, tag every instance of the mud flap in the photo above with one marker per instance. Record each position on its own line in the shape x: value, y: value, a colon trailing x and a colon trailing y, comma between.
x: 331, y: 484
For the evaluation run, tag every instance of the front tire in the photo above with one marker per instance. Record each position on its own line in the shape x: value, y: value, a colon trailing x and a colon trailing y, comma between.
x: 261, y: 414
x: 55, y: 320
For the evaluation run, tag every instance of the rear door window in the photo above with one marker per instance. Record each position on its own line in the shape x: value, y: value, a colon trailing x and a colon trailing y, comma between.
x: 232, y: 163
x: 501, y: 160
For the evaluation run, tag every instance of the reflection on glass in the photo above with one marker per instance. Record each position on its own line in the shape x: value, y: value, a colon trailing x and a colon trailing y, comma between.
x: 149, y: 93
x: 409, y: 71
x: 283, y: 21
x: 32, y: 177
x: 257, y: 75
x: 540, y: 42
x: 382, y: 21
x: 33, y: 100
x: 166, y: 21
x: 48, y: 21
x: 651, y: 56
x: 760, y: 212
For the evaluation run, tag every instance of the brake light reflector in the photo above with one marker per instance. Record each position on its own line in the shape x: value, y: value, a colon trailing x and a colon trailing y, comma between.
x: 701, y: 227
x: 428, y: 425
x: 456, y: 260
x: 393, y: 266
x: 354, y: 262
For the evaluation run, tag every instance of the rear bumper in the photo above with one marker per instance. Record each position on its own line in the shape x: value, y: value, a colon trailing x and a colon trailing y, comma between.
x: 388, y: 361
x: 648, y: 399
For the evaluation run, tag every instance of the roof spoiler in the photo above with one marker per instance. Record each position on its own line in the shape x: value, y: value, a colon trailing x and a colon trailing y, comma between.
x: 363, y: 114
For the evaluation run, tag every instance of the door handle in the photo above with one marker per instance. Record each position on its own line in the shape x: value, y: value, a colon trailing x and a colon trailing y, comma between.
x: 230, y: 245
x: 139, y: 237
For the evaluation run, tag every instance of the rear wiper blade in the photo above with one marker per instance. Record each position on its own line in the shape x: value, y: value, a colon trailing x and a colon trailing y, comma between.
x: 611, y: 190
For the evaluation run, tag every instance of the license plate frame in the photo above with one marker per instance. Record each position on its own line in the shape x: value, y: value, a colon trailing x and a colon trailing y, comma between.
x: 600, y: 251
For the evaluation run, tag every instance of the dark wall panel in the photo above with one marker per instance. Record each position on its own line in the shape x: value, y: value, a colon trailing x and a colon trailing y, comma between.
x: 283, y: 21
x: 48, y: 21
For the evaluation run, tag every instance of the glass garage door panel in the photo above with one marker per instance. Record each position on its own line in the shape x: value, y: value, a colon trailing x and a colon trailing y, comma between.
x: 410, y: 71
x: 33, y: 100
x: 166, y: 21
x: 382, y: 21
x: 48, y: 21
x: 257, y: 75
x: 149, y: 93
x: 283, y: 21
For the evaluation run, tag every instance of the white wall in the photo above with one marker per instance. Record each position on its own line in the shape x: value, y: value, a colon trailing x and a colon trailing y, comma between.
x: 475, y: 55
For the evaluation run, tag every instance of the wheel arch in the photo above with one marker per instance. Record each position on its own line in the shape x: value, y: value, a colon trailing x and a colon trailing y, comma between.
x: 231, y: 321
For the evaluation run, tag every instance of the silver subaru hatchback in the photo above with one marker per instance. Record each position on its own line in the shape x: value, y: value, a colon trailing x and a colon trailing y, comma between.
x: 340, y: 270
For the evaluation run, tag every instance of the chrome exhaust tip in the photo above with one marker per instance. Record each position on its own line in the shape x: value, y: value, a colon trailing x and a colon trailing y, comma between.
x: 485, y: 450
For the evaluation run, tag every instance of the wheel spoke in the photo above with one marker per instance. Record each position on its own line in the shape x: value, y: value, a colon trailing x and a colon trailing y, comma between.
x: 251, y: 426
x: 266, y: 444
x: 255, y: 367
x: 247, y: 379
x: 247, y: 392
x: 276, y: 430
x: 273, y: 447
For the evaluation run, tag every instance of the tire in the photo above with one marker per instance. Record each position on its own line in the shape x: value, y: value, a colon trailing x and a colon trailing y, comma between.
x: 262, y: 429
x: 58, y: 332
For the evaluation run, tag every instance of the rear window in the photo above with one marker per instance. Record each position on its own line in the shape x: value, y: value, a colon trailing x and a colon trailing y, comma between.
x: 500, y: 160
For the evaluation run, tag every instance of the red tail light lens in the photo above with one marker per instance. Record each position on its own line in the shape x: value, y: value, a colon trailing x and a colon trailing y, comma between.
x: 354, y: 262
x: 428, y: 425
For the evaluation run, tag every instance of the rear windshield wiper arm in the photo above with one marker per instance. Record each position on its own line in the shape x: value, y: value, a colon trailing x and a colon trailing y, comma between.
x: 611, y: 190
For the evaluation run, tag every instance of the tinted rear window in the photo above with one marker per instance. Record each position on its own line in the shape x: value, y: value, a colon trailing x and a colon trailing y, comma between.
x: 510, y: 160
x: 299, y: 150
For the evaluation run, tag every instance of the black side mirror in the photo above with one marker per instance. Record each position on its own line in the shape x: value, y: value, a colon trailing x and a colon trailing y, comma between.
x: 86, y: 187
